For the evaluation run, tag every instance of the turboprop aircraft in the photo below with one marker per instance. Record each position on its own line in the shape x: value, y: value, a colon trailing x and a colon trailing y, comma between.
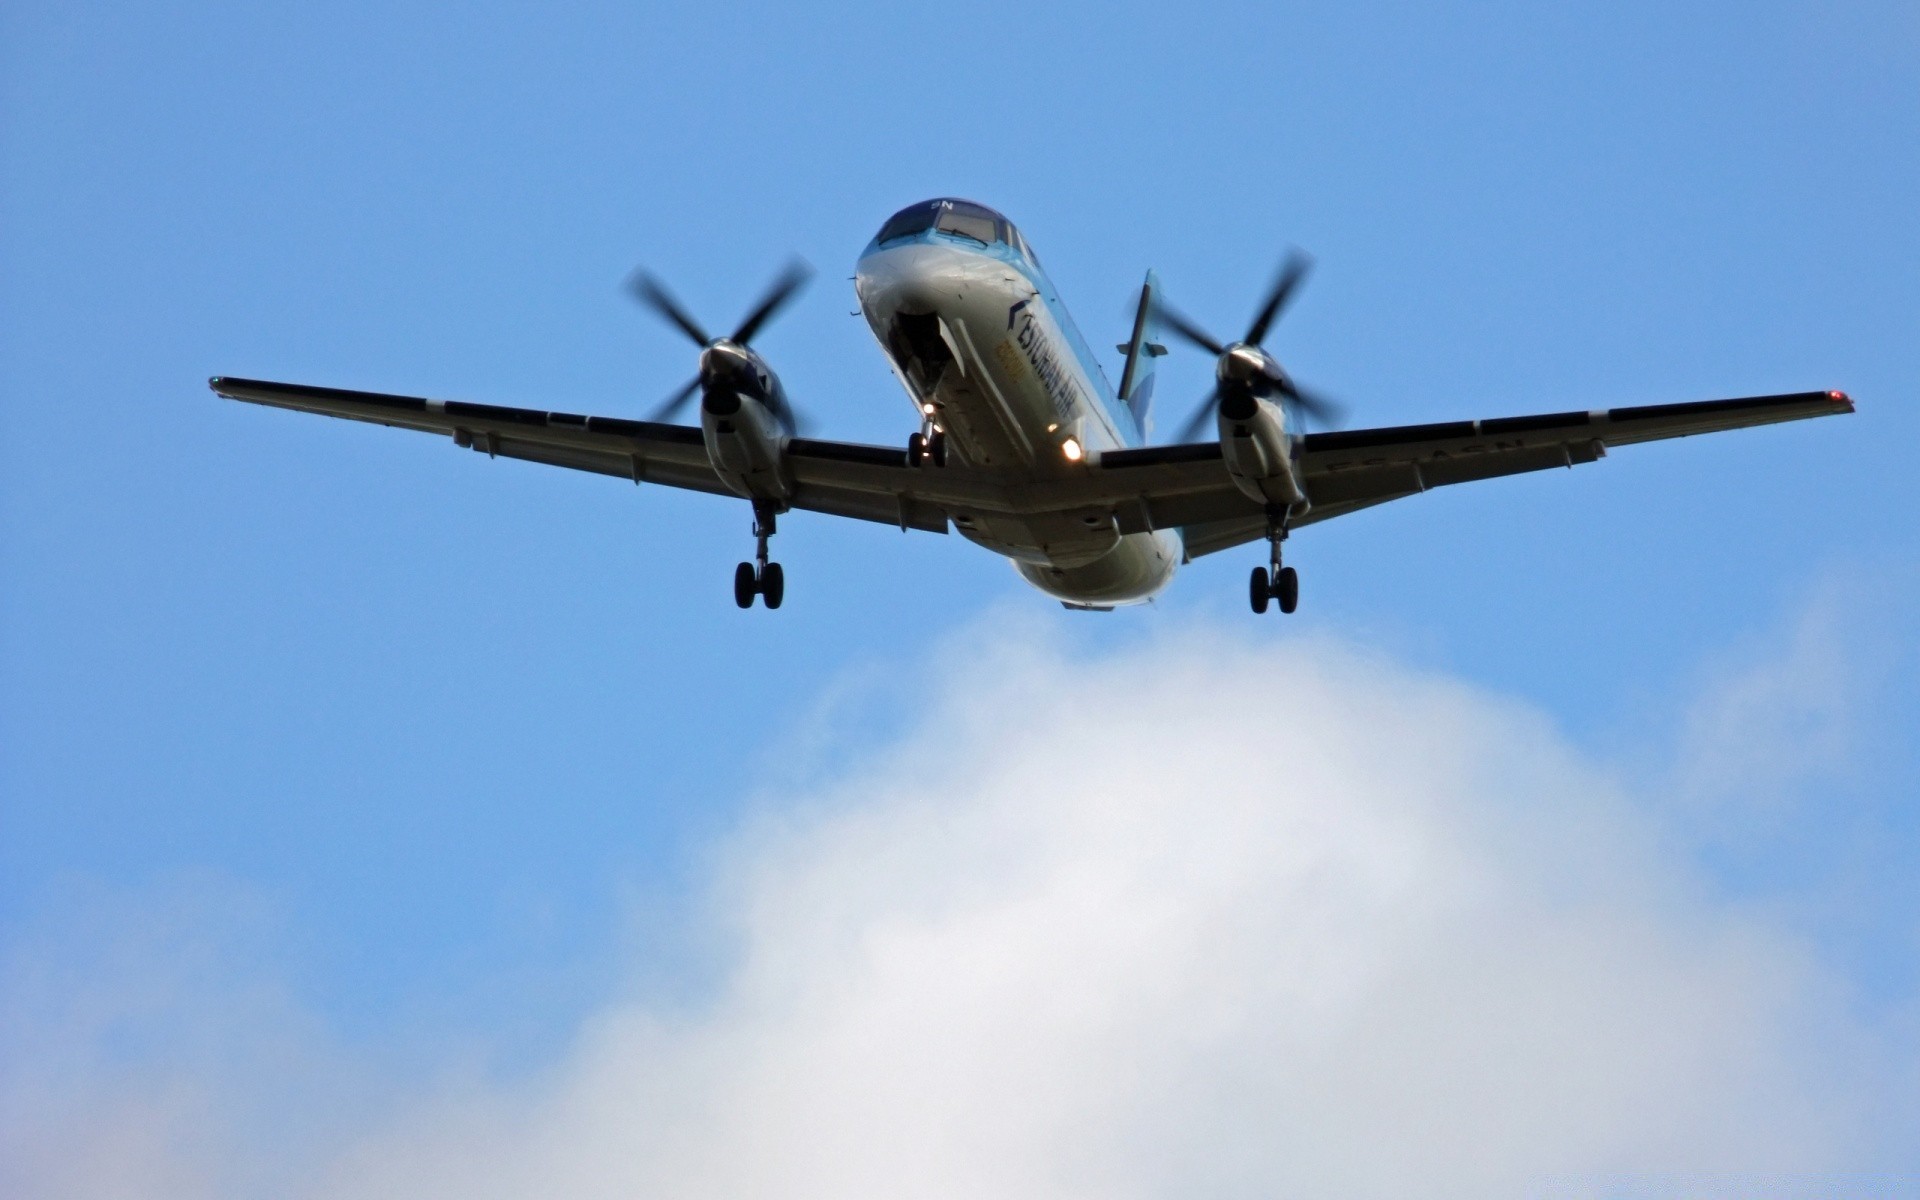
x: 1023, y: 446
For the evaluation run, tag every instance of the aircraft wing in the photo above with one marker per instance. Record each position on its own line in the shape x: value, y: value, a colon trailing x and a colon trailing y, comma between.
x: 1155, y: 487
x: 872, y: 483
x: 1187, y: 485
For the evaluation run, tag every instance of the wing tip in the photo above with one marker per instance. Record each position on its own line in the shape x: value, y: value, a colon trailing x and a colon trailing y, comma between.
x: 1840, y: 400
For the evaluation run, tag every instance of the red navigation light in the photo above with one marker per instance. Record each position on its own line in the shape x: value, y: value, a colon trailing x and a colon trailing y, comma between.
x: 1839, y: 397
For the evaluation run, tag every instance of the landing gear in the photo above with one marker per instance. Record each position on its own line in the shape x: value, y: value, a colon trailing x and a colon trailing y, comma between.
x: 760, y: 577
x: 1275, y: 582
x: 928, y: 445
x: 1287, y: 589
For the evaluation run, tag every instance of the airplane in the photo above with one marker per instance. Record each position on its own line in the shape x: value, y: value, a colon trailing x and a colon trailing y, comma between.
x: 1023, y: 446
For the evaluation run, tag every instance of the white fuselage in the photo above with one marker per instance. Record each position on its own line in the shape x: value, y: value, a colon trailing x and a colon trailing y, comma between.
x: 988, y: 355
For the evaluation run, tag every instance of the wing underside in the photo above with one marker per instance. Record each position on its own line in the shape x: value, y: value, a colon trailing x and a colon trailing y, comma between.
x: 1346, y: 471
x: 871, y: 483
x: 1158, y: 487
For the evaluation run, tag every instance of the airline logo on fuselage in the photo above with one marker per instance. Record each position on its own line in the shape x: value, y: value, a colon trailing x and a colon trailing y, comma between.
x: 1043, y: 355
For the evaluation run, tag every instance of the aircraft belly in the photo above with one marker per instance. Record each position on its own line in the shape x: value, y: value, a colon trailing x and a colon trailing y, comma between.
x: 1133, y: 571
x: 1052, y: 539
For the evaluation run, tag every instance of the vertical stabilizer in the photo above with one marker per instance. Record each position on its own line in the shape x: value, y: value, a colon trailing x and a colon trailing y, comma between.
x: 1136, y: 378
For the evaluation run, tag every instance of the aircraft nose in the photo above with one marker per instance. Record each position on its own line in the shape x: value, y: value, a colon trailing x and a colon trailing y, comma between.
x: 915, y: 278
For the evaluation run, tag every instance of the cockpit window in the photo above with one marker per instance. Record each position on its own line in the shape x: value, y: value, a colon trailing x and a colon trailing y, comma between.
x: 962, y: 218
x: 909, y: 221
x: 982, y: 229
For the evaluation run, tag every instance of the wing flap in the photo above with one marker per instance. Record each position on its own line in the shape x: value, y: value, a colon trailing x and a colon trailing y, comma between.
x: 887, y: 509
x: 1213, y: 536
x: 618, y: 466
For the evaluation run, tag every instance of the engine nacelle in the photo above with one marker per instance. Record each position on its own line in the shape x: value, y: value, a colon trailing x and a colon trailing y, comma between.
x: 747, y: 445
x: 1258, y: 451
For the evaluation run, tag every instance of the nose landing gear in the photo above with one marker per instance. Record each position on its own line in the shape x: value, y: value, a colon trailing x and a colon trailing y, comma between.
x: 760, y: 577
x: 1275, y: 582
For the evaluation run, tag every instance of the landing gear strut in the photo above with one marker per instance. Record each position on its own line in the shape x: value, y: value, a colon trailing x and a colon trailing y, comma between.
x: 1275, y: 582
x: 760, y: 577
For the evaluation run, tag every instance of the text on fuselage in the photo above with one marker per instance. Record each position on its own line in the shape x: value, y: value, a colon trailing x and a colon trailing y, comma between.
x: 1044, y: 356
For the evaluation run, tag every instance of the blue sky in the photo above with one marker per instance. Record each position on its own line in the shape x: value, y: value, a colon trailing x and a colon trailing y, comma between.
x: 463, y: 740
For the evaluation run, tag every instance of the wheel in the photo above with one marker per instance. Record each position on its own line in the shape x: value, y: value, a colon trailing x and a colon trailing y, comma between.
x: 937, y: 448
x: 1258, y: 590
x: 744, y: 585
x: 916, y: 449
x: 1288, y: 589
x: 773, y: 585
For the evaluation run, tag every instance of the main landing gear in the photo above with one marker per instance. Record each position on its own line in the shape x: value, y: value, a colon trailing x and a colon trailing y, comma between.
x: 760, y: 577
x: 928, y: 444
x: 1275, y: 582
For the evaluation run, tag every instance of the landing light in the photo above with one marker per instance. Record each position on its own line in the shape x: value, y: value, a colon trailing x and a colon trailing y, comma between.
x: 1071, y: 448
x: 927, y: 409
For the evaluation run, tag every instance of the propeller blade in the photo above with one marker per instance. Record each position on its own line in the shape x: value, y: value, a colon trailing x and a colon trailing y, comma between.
x: 794, y: 418
x: 1322, y: 411
x: 791, y: 280
x: 1294, y: 270
x: 1198, y: 421
x: 671, y: 407
x: 1178, y: 322
x: 648, y: 291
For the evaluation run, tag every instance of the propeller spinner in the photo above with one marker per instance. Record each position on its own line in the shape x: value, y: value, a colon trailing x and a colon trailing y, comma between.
x: 1245, y: 371
x: 728, y: 365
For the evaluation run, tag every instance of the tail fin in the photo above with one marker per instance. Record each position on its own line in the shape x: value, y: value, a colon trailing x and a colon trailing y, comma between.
x: 1136, y: 378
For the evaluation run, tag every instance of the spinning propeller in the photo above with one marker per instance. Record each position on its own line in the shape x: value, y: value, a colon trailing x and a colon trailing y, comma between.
x: 1245, y: 370
x: 725, y: 362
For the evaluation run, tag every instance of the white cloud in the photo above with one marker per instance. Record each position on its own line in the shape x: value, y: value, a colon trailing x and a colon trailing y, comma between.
x: 1779, y: 717
x: 1219, y: 917
x: 148, y: 1049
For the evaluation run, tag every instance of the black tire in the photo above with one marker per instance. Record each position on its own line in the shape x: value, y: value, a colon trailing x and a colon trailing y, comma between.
x: 744, y: 585
x: 937, y: 448
x: 1288, y: 589
x: 773, y: 585
x: 916, y: 449
x: 1258, y: 590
